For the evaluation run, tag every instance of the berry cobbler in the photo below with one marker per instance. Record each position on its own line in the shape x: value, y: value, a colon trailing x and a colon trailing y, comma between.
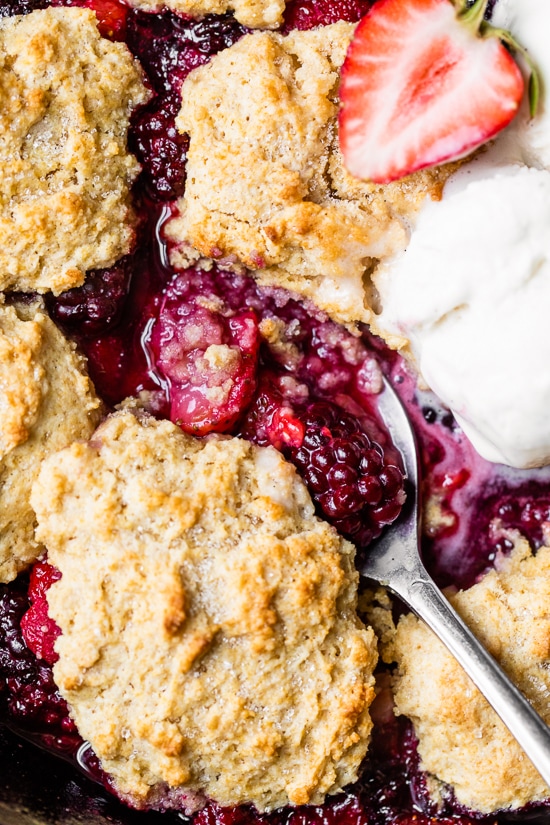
x: 224, y: 224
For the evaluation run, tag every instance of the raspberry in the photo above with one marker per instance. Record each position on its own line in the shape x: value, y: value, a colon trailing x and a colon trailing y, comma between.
x: 111, y: 15
x: 97, y: 305
x: 208, y: 355
x: 39, y: 631
x: 271, y: 420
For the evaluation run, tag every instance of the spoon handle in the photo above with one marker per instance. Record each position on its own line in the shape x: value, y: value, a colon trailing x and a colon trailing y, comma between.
x: 394, y: 561
x: 421, y: 594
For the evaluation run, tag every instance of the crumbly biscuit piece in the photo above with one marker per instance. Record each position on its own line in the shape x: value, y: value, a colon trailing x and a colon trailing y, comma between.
x: 66, y: 95
x: 46, y: 402
x: 265, y: 181
x: 210, y: 637
x: 267, y: 14
x: 462, y: 741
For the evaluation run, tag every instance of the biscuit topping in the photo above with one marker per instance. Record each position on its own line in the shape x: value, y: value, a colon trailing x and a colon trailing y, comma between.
x: 209, y: 635
x: 21, y: 384
x: 460, y: 735
x: 265, y: 181
x: 66, y: 95
x: 46, y: 401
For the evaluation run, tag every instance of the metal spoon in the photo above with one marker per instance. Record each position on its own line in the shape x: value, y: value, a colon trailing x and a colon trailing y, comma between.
x: 394, y: 561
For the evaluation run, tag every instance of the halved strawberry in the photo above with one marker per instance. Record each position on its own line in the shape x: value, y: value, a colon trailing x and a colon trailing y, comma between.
x: 420, y: 86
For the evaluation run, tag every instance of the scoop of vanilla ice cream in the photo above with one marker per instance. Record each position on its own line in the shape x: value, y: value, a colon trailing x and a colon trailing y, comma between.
x: 529, y: 22
x: 472, y: 295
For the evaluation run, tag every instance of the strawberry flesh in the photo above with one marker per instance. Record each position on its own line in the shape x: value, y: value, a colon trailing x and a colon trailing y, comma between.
x: 419, y: 88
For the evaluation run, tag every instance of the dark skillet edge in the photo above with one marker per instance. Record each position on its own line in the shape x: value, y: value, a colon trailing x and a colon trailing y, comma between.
x: 39, y: 789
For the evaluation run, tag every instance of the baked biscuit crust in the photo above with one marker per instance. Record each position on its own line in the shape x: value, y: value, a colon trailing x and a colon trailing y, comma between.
x: 210, y: 641
x: 46, y: 402
x: 266, y: 185
x: 66, y: 95
x: 461, y: 739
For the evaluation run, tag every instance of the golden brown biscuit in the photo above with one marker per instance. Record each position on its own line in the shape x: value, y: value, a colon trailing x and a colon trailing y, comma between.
x: 462, y: 742
x: 266, y: 186
x: 66, y: 95
x: 46, y: 402
x: 210, y: 637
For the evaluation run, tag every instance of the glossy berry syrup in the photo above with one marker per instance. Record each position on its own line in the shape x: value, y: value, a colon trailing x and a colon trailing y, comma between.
x: 216, y: 353
x: 306, y: 14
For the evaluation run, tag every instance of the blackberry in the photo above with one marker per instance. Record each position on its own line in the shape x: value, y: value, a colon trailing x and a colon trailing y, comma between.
x: 97, y: 305
x: 8, y: 8
x: 169, y: 47
x: 161, y: 149
x: 347, y: 474
x: 527, y: 511
x: 31, y: 700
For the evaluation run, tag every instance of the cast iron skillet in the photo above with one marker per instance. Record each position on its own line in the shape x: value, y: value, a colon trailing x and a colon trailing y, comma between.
x: 39, y: 789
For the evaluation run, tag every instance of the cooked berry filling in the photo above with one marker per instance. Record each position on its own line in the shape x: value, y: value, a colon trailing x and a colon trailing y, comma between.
x: 98, y: 304
x: 11, y: 7
x: 215, y: 352
x: 305, y: 14
x: 29, y: 694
